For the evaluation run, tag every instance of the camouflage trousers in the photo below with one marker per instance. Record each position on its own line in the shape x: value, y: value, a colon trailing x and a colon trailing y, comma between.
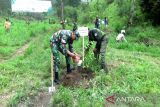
x: 56, y: 58
x: 101, y: 53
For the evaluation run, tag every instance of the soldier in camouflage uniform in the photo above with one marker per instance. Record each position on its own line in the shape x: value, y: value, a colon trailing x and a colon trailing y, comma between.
x: 58, y: 42
x: 102, y: 40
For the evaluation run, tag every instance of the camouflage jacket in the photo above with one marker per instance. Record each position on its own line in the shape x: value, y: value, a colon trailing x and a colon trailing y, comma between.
x: 61, y: 39
x: 95, y: 35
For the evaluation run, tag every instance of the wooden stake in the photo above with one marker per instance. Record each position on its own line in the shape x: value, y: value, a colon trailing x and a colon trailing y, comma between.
x: 83, y: 52
x: 52, y: 68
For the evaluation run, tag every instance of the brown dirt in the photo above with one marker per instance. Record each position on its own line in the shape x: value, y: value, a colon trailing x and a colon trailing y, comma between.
x: 77, y: 78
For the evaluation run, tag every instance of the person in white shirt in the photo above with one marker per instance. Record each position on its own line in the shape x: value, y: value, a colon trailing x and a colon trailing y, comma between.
x: 121, y: 36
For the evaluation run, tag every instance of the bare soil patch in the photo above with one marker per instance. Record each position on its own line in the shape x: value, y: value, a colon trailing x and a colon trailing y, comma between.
x: 77, y: 78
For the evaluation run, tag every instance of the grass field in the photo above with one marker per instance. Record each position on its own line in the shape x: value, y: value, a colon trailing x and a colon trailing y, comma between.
x: 133, y: 69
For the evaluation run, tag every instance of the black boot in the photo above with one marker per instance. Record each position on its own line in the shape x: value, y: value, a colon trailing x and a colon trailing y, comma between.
x: 104, y: 67
x: 69, y: 68
x: 56, y: 78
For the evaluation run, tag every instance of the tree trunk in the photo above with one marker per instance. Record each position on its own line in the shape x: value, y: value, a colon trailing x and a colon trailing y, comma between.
x: 132, y: 12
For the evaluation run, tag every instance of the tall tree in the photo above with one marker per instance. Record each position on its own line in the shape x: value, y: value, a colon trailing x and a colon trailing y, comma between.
x: 72, y: 3
x: 132, y: 11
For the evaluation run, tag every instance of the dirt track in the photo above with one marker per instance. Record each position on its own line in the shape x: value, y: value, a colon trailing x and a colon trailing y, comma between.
x: 18, y: 52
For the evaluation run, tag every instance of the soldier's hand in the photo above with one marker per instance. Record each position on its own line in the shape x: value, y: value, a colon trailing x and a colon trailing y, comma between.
x: 51, y: 44
x: 76, y: 59
x: 70, y: 54
x: 95, y: 50
x: 77, y: 55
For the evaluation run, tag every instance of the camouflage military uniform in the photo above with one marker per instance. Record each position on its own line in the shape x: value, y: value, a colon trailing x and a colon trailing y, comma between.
x: 102, y: 40
x: 58, y: 41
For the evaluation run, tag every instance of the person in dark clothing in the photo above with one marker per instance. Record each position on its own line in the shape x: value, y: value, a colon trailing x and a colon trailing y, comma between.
x: 97, y: 22
x: 105, y: 21
x: 101, y: 40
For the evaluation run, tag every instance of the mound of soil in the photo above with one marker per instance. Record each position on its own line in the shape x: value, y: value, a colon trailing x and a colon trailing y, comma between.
x: 79, y: 77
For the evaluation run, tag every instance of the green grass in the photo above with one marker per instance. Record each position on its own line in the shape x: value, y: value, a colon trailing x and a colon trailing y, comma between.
x: 25, y: 74
x: 133, y: 69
